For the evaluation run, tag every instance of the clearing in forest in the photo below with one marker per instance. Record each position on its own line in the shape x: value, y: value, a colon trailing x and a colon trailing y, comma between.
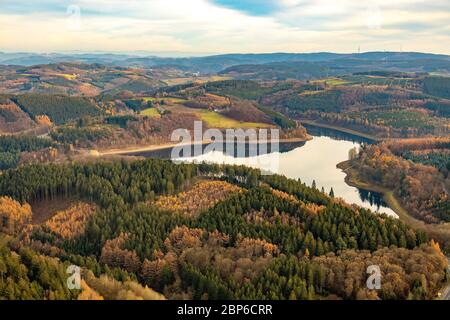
x: 45, y: 209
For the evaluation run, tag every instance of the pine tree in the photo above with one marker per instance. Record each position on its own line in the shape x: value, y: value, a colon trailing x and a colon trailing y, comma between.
x: 292, y: 296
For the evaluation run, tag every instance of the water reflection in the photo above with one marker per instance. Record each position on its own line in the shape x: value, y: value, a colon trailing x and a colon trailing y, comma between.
x: 314, y: 160
x: 335, y: 134
x: 374, y: 198
x: 248, y: 150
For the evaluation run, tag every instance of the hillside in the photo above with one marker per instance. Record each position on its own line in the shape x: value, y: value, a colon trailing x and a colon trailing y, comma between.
x: 283, y: 240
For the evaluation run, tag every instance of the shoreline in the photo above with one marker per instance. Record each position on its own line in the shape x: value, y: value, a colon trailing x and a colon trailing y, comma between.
x: 340, y: 129
x: 156, y: 147
x: 439, y: 232
x: 388, y: 196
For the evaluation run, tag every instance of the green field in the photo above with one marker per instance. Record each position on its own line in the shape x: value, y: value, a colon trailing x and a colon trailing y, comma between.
x: 169, y: 100
x: 184, y: 80
x: 150, y: 112
x: 332, y: 81
x: 216, y: 120
x: 378, y: 80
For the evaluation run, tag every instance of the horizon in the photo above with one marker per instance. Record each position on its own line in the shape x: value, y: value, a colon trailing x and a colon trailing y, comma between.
x: 176, y: 54
x: 210, y: 27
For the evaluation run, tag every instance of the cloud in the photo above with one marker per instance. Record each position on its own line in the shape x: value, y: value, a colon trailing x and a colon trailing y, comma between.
x: 219, y: 26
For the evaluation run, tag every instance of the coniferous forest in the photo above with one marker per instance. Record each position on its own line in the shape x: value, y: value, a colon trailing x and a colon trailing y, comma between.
x: 268, y: 238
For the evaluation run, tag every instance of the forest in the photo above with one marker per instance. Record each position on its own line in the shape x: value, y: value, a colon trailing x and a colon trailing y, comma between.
x: 266, y: 237
x: 437, y: 86
x: 60, y: 109
x: 12, y: 146
x: 76, y: 135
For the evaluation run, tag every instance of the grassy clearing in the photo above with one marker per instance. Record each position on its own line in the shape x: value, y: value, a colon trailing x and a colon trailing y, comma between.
x: 219, y: 78
x: 184, y: 80
x: 211, y: 118
x: 66, y: 76
x: 169, y: 100
x: 178, y: 81
x: 216, y: 120
x: 332, y: 81
x: 150, y: 112
x: 310, y: 92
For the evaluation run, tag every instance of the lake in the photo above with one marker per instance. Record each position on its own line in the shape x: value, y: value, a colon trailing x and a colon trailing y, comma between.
x: 314, y: 160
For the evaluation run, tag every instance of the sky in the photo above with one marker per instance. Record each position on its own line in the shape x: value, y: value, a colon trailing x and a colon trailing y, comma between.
x: 197, y: 27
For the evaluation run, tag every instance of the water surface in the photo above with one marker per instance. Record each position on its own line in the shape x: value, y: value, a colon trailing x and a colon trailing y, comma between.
x: 314, y: 160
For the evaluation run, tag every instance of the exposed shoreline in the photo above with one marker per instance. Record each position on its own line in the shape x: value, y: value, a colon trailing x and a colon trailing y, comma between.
x: 156, y: 147
x: 162, y: 146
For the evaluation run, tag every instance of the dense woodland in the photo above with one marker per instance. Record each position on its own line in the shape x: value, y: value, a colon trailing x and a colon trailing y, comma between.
x: 12, y: 146
x: 437, y: 86
x: 26, y: 275
x: 59, y: 109
x: 269, y: 238
x: 80, y: 136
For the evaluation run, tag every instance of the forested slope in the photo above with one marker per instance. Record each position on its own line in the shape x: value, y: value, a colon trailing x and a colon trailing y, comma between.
x: 268, y: 238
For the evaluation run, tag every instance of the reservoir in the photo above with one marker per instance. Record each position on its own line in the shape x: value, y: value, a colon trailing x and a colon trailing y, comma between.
x: 314, y: 160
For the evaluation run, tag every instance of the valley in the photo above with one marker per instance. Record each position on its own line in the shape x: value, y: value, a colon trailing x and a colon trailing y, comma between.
x: 361, y: 177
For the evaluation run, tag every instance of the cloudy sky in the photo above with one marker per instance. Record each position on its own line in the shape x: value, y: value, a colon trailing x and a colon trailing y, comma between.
x: 225, y: 26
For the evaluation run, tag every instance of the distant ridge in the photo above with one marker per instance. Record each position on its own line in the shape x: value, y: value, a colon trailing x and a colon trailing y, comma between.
x: 217, y: 63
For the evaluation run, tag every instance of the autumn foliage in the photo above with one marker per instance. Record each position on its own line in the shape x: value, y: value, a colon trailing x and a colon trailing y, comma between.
x: 420, y: 188
x: 406, y: 274
x: 71, y: 222
x: 13, y: 215
x: 201, y: 196
x: 115, y: 255
x: 107, y: 288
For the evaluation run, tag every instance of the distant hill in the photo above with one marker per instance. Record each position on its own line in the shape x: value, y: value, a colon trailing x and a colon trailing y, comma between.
x: 73, y: 78
x: 120, y: 74
x: 300, y: 69
x: 215, y: 63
